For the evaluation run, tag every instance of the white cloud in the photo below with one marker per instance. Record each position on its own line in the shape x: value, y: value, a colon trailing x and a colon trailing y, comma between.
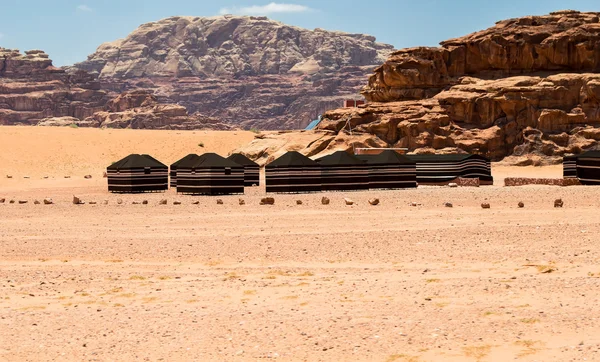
x: 84, y: 8
x: 270, y: 8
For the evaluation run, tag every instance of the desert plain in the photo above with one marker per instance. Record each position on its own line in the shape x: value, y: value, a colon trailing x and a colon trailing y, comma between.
x: 288, y: 282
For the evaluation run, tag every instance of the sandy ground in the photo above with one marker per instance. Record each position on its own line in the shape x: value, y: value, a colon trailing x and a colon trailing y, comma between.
x: 287, y: 282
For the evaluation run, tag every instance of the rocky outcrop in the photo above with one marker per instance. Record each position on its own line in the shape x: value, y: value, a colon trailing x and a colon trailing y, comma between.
x: 526, y: 90
x: 247, y: 71
x: 32, y: 89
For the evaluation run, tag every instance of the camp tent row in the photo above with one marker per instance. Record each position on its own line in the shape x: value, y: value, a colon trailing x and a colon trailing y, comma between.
x: 434, y: 169
x: 585, y: 167
x: 208, y: 174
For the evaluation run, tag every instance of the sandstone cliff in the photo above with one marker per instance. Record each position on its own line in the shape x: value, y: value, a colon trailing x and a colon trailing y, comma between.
x: 527, y: 88
x: 247, y: 71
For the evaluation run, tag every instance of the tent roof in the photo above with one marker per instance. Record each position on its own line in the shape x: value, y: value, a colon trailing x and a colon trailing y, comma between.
x: 339, y: 158
x: 242, y: 160
x: 293, y: 158
x: 136, y: 161
x: 387, y: 157
x: 191, y: 156
x: 444, y: 158
x: 208, y: 160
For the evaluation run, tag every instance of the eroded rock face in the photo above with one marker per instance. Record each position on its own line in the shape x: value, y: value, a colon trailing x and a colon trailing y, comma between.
x: 246, y: 71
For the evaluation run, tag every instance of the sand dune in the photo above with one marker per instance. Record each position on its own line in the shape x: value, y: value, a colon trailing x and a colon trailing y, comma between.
x: 289, y: 282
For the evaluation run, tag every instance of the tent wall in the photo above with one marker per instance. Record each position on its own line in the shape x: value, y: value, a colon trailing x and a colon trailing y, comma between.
x: 570, y: 167
x: 210, y: 180
x: 442, y: 169
x: 344, y: 177
x: 135, y: 180
x: 588, y: 169
x: 292, y: 179
x: 251, y: 175
x: 392, y: 176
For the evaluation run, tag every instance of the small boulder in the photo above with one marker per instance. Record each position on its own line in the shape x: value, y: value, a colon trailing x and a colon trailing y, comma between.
x: 77, y: 200
x: 67, y: 176
x: 11, y: 202
x: 325, y: 200
x: 521, y: 204
x: 414, y: 204
x: 145, y: 202
x: 558, y: 203
x: 242, y: 202
x: 87, y: 176
x: 219, y: 202
x: 92, y: 202
x: 104, y: 174
x: 176, y: 202
x: 374, y: 202
x: 119, y: 201
x: 298, y: 202
x: 267, y: 201
x: 45, y: 177
x: 2, y: 201
x: 26, y: 177
x: 8, y: 176
x: 485, y: 205
x: 36, y: 202
x: 135, y: 203
x: 48, y: 201
x: 23, y: 201
x: 105, y: 202
x: 452, y: 184
x: 162, y: 202
x: 448, y: 204
x: 348, y: 201
x: 196, y: 203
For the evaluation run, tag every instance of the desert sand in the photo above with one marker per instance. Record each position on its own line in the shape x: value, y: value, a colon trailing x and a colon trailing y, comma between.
x: 286, y: 282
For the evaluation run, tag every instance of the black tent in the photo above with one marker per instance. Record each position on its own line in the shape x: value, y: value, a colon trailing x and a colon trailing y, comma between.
x: 442, y: 169
x: 137, y: 173
x: 588, y: 168
x: 293, y: 172
x: 173, y: 169
x: 390, y: 170
x: 210, y: 174
x: 251, y: 169
x: 570, y: 166
x: 342, y: 171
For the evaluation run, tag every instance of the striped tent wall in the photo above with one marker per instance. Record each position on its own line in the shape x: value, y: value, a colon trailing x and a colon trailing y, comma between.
x: 137, y: 173
x: 293, y: 173
x: 210, y: 174
x: 570, y: 166
x: 588, y: 168
x: 173, y: 168
x: 251, y: 169
x: 341, y: 171
x: 390, y: 170
x: 442, y: 169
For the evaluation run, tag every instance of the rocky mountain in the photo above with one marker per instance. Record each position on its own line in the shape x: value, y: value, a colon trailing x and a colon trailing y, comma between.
x: 527, y: 89
x: 247, y: 71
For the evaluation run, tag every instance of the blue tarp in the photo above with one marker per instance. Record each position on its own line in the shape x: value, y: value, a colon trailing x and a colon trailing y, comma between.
x: 313, y: 124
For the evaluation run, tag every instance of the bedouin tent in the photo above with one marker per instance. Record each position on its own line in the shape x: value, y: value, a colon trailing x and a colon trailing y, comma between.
x: 137, y: 173
x: 441, y: 169
x: 251, y: 169
x: 293, y: 172
x: 588, y: 168
x: 173, y: 168
x: 210, y: 174
x: 570, y: 166
x: 390, y: 170
x: 341, y: 171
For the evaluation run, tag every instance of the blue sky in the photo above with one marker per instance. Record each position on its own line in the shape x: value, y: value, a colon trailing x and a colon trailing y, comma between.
x: 69, y: 30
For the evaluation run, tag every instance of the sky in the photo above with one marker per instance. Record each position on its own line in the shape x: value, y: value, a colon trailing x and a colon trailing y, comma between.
x: 69, y: 30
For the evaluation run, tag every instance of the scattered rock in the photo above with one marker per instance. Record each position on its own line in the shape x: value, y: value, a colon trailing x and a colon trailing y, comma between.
x: 219, y: 202
x: 48, y: 201
x: 348, y: 201
x: 414, y: 204
x: 267, y: 201
x: 452, y: 184
x: 298, y: 202
x: 8, y: 176
x: 22, y: 201
x: 485, y: 205
x: 374, y: 202
x: 162, y: 202
x: 11, y: 202
x: 558, y: 203
x: 45, y: 177
x: 104, y: 174
x: 67, y: 176
x: 77, y: 200
x: 36, y: 202
x: 2, y: 201
x: 196, y: 203
x: 242, y: 202
x: 448, y: 204
x: 176, y: 202
x: 135, y: 203
x: 521, y: 204
x: 105, y: 202
x: 92, y: 202
x: 87, y: 176
x: 26, y: 177
x: 119, y: 201
x: 145, y: 202
x: 325, y: 200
